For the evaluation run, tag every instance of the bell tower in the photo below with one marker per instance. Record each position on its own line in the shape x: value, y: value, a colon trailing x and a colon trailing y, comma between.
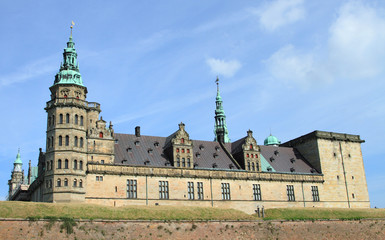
x: 70, y: 119
x: 17, y: 176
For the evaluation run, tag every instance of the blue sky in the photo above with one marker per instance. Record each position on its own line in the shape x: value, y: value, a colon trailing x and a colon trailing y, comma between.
x: 290, y: 66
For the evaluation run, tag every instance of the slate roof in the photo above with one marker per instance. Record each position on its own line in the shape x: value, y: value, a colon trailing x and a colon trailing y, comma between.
x: 152, y: 151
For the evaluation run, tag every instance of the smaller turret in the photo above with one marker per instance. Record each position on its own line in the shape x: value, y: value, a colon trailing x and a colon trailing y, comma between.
x: 272, y: 141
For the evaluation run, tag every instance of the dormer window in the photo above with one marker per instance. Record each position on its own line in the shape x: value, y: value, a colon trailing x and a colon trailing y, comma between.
x: 116, y: 141
x: 272, y: 159
x: 215, y: 155
x: 129, y: 149
x: 124, y: 161
x: 269, y: 169
x: 215, y: 165
x: 231, y: 166
x: 201, y: 147
x: 312, y: 170
x: 156, y: 144
x: 198, y: 155
x: 217, y: 148
x: 292, y: 169
x: 147, y: 162
x: 276, y: 152
x: 137, y: 143
x: 292, y: 160
x: 149, y: 151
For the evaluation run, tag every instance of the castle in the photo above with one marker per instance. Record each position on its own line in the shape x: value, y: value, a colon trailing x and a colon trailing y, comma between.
x: 86, y: 161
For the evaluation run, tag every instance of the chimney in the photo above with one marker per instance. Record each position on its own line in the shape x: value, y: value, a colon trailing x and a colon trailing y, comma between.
x: 137, y: 131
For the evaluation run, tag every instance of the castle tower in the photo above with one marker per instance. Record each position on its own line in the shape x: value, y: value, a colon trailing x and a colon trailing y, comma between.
x: 220, y: 127
x: 74, y: 132
x: 17, y: 176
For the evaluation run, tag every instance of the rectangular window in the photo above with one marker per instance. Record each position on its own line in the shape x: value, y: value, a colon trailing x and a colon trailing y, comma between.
x: 163, y: 189
x: 290, y: 193
x: 257, y: 192
x: 314, y: 193
x: 131, y: 188
x: 200, y: 190
x: 99, y: 178
x: 225, y: 191
x: 190, y: 190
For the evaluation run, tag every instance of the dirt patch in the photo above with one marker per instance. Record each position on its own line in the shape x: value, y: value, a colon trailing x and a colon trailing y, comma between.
x: 363, y: 229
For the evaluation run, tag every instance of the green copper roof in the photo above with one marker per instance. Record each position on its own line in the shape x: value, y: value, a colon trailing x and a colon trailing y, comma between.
x: 18, y: 158
x: 265, y: 165
x: 271, y: 140
x: 69, y: 70
x: 220, y: 118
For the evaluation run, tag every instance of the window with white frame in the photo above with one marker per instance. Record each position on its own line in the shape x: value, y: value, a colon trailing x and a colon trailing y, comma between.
x: 225, y: 191
x: 257, y: 192
x: 163, y: 190
x: 314, y: 193
x: 290, y: 193
x: 190, y: 190
x: 131, y: 188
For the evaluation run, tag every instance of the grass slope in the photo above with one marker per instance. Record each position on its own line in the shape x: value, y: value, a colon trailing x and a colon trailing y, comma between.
x: 32, y: 210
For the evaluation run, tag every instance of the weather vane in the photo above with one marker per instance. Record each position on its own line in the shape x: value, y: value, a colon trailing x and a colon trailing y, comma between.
x: 72, y: 25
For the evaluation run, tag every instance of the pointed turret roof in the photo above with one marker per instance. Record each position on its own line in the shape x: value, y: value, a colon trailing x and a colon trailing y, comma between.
x: 69, y: 69
x: 220, y: 127
x: 18, y: 158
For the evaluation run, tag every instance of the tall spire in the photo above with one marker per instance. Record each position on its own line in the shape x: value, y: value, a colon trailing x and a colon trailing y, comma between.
x: 220, y: 127
x: 69, y: 70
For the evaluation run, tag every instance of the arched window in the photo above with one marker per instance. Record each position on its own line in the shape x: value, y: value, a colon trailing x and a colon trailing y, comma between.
x: 76, y: 141
x: 81, y: 165
x: 252, y: 166
x: 59, y: 164
x: 75, y: 182
x: 53, y: 119
x: 58, y: 182
x: 51, y: 164
x: 75, y: 164
x: 48, y: 165
x: 65, y: 182
x: 52, y: 142
x: 67, y: 118
x: 81, y: 142
x: 81, y: 120
x: 248, y: 166
x: 61, y: 118
x: 188, y: 162
x: 257, y: 166
x: 66, y: 164
x: 183, y: 162
x: 67, y: 140
x: 251, y: 146
x: 101, y: 135
x: 80, y: 183
x: 60, y: 141
x: 48, y: 142
x: 178, y: 162
x: 76, y: 119
x: 49, y: 121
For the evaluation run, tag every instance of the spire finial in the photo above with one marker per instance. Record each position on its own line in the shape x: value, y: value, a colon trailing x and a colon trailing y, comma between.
x: 217, y: 82
x: 72, y: 25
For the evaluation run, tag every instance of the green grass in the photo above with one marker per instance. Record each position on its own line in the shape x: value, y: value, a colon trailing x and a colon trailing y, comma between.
x: 58, y: 211
x: 34, y: 211
x: 323, y: 213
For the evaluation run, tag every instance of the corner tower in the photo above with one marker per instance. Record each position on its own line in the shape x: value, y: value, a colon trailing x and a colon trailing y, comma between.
x: 17, y: 176
x: 220, y: 127
x: 75, y: 134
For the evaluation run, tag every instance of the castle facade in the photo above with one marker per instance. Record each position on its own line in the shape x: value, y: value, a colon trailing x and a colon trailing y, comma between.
x: 86, y: 161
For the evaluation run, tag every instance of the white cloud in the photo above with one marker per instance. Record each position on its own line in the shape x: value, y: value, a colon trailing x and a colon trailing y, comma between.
x: 355, y: 49
x: 281, y: 12
x: 357, y: 41
x: 31, y: 70
x: 222, y: 67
